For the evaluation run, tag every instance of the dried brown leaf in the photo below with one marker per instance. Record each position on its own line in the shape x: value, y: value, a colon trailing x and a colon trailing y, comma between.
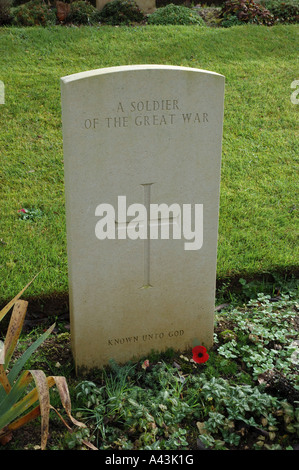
x: 63, y: 390
x: 6, y: 309
x: 89, y: 444
x: 6, y: 438
x: 4, y: 380
x: 14, y: 328
x: 44, y: 403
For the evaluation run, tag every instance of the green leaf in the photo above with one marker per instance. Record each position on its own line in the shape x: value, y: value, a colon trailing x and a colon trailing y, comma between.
x: 16, y: 369
x: 7, y: 410
x: 24, y: 358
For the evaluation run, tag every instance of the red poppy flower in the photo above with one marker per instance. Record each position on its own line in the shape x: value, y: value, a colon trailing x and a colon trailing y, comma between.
x: 200, y: 354
x: 22, y: 210
x: 146, y: 364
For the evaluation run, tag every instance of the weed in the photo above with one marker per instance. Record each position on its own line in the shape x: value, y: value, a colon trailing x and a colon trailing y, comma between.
x: 31, y: 214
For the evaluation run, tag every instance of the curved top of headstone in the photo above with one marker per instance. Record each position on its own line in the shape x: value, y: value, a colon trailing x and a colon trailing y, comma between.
x: 132, y: 68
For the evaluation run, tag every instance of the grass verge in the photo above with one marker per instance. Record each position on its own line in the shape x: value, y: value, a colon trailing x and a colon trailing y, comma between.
x: 259, y: 191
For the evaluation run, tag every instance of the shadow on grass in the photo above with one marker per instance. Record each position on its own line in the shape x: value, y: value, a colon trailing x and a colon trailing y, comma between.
x: 234, y: 288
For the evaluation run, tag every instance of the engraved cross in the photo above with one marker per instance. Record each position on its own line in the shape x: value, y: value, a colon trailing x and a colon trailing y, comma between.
x: 148, y: 226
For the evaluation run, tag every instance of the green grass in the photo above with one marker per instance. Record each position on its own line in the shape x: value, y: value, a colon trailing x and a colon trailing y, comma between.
x: 259, y: 188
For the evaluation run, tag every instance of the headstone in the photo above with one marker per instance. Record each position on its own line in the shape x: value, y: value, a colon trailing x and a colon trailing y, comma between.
x: 147, y: 6
x: 142, y: 156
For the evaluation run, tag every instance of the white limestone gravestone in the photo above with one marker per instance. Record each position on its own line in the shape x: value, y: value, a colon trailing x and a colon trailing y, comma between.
x: 142, y: 156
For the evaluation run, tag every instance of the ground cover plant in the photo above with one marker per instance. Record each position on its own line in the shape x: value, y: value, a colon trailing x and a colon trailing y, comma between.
x: 175, y: 14
x: 284, y: 11
x: 33, y: 13
x: 234, y: 12
x: 243, y: 395
x: 81, y: 12
x: 121, y: 12
x: 258, y: 203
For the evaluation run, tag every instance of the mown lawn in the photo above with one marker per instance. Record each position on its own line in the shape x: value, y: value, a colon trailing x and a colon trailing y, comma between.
x: 259, y: 188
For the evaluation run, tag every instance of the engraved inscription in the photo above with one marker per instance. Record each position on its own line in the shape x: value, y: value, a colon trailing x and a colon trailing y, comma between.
x: 147, y: 113
x: 145, y: 337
